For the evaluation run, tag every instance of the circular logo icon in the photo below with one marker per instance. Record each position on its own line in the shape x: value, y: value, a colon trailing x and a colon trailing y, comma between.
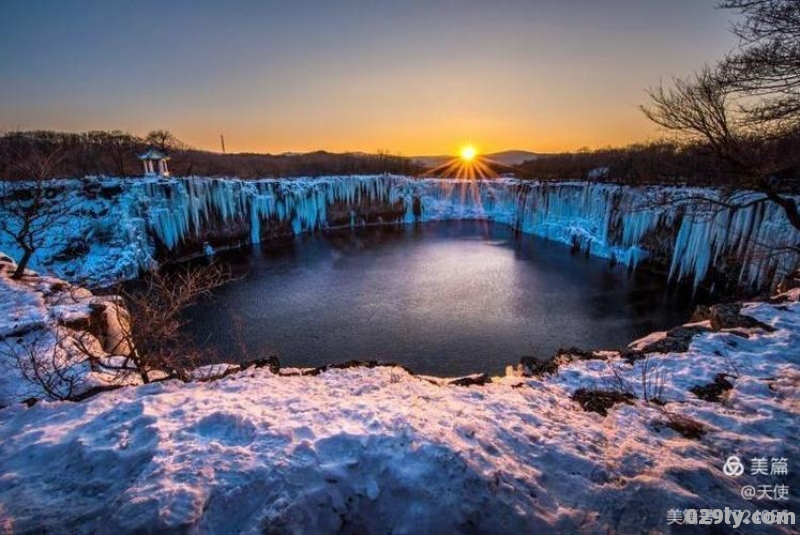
x: 733, y: 466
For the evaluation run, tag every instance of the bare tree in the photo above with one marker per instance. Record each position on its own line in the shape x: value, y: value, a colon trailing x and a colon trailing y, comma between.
x: 164, y: 140
x: 739, y: 109
x: 160, y: 139
x: 33, y: 208
x: 54, y: 362
x: 42, y: 362
x: 140, y: 333
x: 112, y: 150
x: 767, y: 61
x: 151, y: 332
x: 698, y: 108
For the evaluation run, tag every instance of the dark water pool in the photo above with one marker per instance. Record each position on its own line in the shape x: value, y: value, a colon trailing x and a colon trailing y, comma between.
x: 443, y: 299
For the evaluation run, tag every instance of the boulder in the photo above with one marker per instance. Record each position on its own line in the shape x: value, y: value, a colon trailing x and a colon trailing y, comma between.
x: 354, y: 364
x: 677, y: 340
x: 532, y: 367
x: 712, y: 391
x: 478, y: 379
x: 599, y: 401
x: 272, y: 362
x: 727, y: 316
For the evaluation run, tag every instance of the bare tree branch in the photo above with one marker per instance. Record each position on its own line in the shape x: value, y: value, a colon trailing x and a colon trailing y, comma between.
x: 152, y: 333
x: 33, y: 208
x: 741, y: 107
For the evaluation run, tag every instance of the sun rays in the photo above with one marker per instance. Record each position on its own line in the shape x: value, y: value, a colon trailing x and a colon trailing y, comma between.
x: 468, y: 165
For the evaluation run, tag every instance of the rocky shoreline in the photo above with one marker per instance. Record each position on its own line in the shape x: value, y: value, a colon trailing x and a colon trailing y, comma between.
x: 99, y: 317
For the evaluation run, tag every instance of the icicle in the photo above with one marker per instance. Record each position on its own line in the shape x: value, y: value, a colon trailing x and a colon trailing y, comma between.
x: 609, y: 220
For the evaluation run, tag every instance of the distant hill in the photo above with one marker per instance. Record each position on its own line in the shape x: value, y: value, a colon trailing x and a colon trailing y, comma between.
x: 506, y: 157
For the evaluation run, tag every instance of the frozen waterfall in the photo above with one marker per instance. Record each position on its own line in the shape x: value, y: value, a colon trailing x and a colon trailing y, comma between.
x: 605, y: 220
x: 622, y: 223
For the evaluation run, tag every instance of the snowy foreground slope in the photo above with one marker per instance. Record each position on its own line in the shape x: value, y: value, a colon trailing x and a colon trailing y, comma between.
x: 117, y: 227
x: 59, y: 332
x: 377, y: 450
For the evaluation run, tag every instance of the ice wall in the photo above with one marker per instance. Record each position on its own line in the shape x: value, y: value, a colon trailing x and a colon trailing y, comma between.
x: 605, y: 220
x: 94, y: 235
x: 622, y: 223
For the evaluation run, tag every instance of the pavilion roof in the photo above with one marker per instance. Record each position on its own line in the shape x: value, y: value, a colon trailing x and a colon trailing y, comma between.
x: 153, y: 154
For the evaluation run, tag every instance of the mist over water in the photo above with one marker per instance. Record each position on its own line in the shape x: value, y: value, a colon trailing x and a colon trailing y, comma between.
x: 442, y: 298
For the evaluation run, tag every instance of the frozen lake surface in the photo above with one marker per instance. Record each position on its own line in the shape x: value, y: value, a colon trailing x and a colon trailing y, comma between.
x: 442, y: 299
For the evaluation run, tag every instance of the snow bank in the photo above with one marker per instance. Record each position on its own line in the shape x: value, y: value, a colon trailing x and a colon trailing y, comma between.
x: 367, y: 450
x: 57, y: 334
x: 120, y: 225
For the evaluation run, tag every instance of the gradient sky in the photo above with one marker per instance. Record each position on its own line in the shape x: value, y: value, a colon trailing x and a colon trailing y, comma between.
x: 405, y: 76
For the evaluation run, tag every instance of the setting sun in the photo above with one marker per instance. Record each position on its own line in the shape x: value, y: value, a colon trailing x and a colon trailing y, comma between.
x: 468, y: 153
x: 467, y: 165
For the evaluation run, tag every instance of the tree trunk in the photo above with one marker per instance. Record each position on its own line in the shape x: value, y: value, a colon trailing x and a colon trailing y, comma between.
x: 23, y: 263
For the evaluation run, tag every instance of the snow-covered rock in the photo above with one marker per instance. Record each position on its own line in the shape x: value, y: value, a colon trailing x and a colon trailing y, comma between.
x: 57, y: 340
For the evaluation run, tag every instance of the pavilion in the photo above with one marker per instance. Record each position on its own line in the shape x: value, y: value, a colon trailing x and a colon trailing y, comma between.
x: 154, y: 157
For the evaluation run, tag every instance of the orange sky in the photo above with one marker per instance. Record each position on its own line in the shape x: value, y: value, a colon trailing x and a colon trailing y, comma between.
x: 413, y: 78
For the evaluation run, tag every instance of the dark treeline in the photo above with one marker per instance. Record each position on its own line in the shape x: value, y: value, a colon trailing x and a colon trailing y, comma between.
x: 665, y: 162
x: 115, y: 154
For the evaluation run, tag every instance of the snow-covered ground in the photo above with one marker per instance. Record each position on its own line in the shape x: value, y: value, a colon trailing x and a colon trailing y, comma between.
x: 377, y: 450
x: 58, y: 332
